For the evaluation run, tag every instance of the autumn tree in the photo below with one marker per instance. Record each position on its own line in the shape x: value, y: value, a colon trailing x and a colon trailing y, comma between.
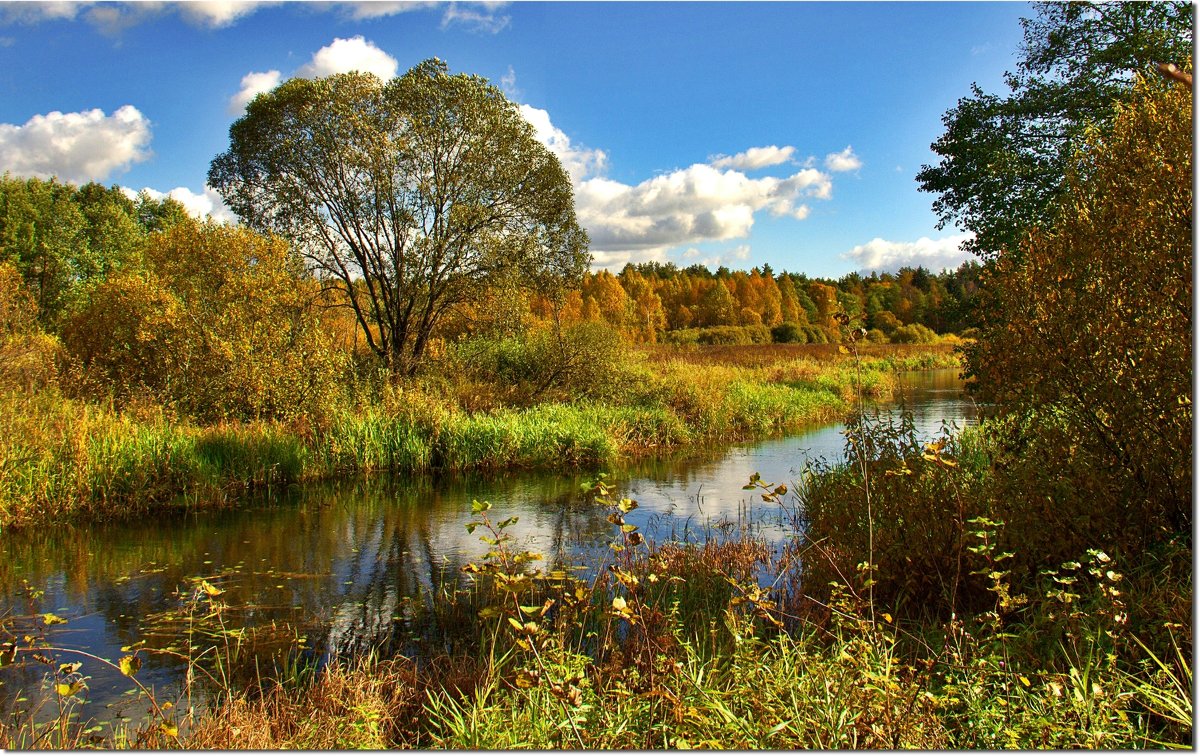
x: 1094, y: 329
x: 425, y: 187
x: 219, y: 323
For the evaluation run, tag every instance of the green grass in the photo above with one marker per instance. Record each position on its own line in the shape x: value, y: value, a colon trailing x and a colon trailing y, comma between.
x: 66, y: 459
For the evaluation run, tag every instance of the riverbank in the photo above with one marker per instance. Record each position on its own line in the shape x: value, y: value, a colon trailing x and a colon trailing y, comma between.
x: 65, y: 459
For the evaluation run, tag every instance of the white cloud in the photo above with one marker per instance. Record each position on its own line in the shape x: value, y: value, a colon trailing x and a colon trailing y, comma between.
x: 579, y: 162
x: 732, y: 258
x: 754, y: 158
x: 216, y: 14
x: 32, y: 13
x: 687, y: 206
x: 888, y: 256
x: 76, y: 147
x: 253, y: 84
x: 112, y: 18
x: 508, y: 84
x: 345, y: 55
x: 339, y: 56
x: 845, y: 160
x: 476, y: 17
x: 371, y: 9
x: 205, y: 204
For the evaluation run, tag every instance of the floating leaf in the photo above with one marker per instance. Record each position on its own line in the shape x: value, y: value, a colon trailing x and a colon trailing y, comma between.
x: 130, y: 665
x: 50, y: 618
x: 69, y: 689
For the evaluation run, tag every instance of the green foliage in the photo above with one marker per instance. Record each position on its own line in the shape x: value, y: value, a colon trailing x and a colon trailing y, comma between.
x: 449, y: 189
x: 721, y: 334
x: 1003, y: 158
x: 63, y: 240
x: 789, y: 333
x: 914, y: 333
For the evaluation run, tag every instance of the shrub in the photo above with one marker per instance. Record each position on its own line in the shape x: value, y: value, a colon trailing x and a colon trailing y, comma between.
x: 220, y: 324
x: 914, y: 333
x: 789, y: 333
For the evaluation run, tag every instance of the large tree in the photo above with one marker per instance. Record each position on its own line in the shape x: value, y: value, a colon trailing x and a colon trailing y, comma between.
x: 411, y: 193
x: 1002, y: 158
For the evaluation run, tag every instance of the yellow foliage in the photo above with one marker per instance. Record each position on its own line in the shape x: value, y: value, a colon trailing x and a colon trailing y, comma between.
x: 220, y: 324
x: 1094, y: 319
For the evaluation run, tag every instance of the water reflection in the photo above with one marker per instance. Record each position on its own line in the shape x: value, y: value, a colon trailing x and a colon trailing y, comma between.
x: 345, y: 564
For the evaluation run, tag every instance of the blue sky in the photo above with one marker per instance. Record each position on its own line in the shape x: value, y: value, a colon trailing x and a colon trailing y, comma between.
x: 718, y: 133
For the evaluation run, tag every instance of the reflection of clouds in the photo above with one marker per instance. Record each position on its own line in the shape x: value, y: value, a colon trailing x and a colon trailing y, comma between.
x: 344, y: 560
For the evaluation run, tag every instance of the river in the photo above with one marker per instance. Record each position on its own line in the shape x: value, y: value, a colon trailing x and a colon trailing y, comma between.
x: 345, y: 565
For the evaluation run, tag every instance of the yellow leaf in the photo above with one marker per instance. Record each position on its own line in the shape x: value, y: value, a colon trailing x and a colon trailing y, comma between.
x: 50, y: 618
x: 130, y: 665
x: 169, y: 729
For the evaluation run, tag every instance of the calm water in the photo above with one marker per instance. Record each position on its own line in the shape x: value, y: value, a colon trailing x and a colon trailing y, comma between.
x: 344, y: 564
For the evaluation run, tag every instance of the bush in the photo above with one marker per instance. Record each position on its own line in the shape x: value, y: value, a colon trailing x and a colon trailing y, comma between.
x: 581, y: 361
x: 914, y: 333
x: 720, y: 335
x: 789, y: 333
x: 219, y: 325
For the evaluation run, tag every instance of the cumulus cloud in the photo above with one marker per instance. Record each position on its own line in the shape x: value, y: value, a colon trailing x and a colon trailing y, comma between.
x: 76, y: 147
x: 845, y: 160
x: 579, y: 162
x: 887, y: 256
x: 687, y: 206
x: 254, y: 84
x: 754, y: 158
x: 339, y: 56
x: 345, y: 55
x: 206, y: 204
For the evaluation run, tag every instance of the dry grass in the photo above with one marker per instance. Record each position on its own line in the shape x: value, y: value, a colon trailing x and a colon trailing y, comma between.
x: 763, y: 355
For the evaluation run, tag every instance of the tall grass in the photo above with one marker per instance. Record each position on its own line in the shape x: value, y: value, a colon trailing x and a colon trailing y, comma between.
x: 63, y: 458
